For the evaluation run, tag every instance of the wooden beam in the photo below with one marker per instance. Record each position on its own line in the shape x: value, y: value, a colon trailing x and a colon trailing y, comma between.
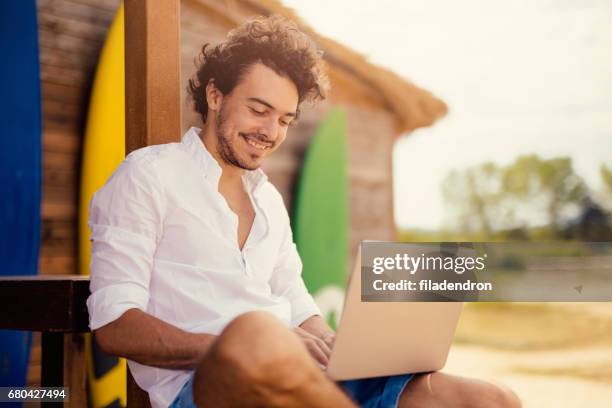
x: 45, y: 303
x: 152, y: 90
x: 152, y: 72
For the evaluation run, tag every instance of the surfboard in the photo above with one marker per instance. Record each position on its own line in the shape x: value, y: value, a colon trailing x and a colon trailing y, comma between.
x: 20, y: 168
x: 320, y: 216
x: 103, y: 150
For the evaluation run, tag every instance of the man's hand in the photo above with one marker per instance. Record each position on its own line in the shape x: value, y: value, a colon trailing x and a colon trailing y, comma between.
x: 316, y: 346
x: 318, y: 338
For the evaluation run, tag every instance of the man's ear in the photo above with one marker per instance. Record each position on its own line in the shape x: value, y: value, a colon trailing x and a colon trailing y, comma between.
x: 214, y: 97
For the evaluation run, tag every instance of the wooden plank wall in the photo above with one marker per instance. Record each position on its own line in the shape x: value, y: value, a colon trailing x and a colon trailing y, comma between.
x: 71, y: 34
x: 370, y: 149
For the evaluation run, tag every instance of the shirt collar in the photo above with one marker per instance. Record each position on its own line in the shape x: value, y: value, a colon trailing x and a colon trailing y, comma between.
x: 253, y: 179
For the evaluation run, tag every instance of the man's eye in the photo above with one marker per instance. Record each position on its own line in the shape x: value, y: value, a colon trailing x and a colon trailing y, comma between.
x: 258, y: 113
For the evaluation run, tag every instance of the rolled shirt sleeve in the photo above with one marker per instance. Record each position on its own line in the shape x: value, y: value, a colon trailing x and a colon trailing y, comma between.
x: 125, y: 218
x: 287, y: 280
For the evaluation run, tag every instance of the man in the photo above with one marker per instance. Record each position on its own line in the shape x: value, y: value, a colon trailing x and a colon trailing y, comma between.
x: 194, y: 275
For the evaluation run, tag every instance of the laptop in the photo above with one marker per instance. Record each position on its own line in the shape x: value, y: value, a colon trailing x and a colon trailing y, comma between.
x: 389, y: 338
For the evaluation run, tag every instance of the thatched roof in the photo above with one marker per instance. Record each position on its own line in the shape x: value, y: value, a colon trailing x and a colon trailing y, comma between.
x: 411, y: 106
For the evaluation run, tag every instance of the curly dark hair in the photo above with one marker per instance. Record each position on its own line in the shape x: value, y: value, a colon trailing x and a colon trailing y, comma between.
x: 274, y: 41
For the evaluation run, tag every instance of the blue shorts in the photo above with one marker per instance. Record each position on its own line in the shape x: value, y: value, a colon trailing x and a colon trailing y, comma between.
x: 379, y: 392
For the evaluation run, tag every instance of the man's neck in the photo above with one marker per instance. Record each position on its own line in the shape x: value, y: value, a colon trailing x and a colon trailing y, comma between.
x: 231, y: 176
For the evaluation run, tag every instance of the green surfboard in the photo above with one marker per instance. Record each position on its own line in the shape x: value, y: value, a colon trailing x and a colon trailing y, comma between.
x: 320, y: 217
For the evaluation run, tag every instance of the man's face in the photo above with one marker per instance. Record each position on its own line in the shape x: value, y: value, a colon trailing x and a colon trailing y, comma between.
x: 253, y: 119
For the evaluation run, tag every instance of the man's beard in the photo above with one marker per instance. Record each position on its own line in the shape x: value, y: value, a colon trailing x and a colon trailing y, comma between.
x: 224, y: 146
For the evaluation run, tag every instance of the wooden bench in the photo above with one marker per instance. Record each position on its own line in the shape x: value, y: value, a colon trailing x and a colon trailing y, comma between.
x: 55, y: 306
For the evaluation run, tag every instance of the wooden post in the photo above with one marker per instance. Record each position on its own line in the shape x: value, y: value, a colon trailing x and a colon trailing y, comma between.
x: 152, y: 72
x: 52, y: 372
x: 152, y: 91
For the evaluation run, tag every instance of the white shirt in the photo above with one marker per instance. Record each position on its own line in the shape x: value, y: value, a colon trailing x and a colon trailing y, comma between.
x: 164, y: 240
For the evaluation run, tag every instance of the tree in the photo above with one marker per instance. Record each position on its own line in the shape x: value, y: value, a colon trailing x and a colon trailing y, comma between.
x: 531, y: 190
x: 606, y: 196
x: 551, y: 184
x: 606, y: 175
x: 474, y: 193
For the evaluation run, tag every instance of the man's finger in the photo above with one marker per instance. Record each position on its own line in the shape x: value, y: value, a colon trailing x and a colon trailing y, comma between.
x: 330, y: 339
x: 317, y: 353
x: 319, y: 350
x: 324, y: 347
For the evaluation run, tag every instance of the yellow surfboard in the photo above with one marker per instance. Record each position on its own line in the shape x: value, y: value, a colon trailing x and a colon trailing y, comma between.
x: 103, y: 150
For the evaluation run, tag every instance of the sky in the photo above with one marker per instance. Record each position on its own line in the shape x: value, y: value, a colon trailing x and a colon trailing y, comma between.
x: 518, y: 76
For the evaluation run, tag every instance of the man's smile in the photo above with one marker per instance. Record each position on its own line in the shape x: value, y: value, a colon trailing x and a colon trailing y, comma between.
x: 254, y: 142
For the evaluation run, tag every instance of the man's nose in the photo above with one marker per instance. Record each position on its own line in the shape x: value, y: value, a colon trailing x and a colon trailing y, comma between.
x: 269, y: 129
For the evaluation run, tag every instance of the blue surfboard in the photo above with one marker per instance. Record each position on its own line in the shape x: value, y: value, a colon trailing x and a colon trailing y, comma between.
x: 20, y: 167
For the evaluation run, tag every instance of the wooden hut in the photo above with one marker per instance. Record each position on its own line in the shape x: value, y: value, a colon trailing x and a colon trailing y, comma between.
x: 380, y: 106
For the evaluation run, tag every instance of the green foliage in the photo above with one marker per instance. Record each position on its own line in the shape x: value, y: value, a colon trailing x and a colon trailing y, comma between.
x: 489, y: 198
x: 474, y: 191
x: 606, y: 175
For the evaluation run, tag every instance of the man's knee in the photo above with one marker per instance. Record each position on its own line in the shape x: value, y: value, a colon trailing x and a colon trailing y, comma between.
x: 255, y: 324
x: 259, y: 338
x: 496, y: 396
x: 441, y: 389
x: 259, y: 346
